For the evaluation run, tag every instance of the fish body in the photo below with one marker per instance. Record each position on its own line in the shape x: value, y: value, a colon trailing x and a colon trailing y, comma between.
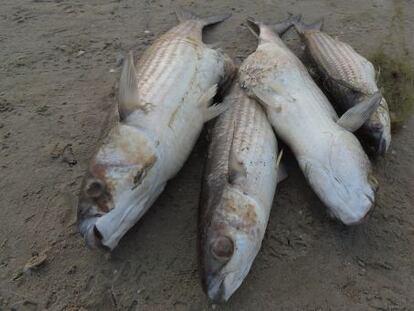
x: 349, y: 79
x: 330, y: 156
x: 163, y: 103
x: 238, y: 189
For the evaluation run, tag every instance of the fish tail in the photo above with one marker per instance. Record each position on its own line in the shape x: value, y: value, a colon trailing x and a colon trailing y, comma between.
x: 284, y: 25
x: 279, y: 27
x: 185, y: 15
x: 253, y: 26
x: 301, y: 27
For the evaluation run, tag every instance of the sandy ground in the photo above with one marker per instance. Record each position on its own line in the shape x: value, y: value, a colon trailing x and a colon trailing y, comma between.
x: 56, y: 89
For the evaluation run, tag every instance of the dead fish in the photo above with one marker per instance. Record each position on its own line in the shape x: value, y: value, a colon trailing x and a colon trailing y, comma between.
x: 238, y: 188
x: 329, y: 155
x: 349, y: 78
x: 164, y: 101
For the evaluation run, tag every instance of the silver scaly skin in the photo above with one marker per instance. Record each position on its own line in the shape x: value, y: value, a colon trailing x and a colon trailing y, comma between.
x: 329, y: 155
x: 349, y: 78
x: 164, y: 100
x: 239, y: 184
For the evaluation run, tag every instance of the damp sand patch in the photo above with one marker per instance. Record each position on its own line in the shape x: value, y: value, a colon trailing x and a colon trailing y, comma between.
x: 396, y: 80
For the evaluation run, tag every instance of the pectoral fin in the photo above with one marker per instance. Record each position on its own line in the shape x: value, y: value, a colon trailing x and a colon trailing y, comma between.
x: 128, y: 88
x: 355, y: 117
x: 214, y: 110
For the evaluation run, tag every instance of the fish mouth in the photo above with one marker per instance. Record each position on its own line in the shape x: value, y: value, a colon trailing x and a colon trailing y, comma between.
x: 382, y: 146
x: 380, y: 142
x: 219, y: 290
x: 91, y: 234
x: 216, y: 289
x: 365, y: 218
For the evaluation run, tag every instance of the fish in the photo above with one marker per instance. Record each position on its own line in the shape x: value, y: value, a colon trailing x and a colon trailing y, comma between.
x: 329, y: 155
x: 349, y: 79
x: 164, y: 100
x: 239, y: 184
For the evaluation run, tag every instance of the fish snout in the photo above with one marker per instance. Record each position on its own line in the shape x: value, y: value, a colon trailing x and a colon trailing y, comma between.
x: 363, y: 219
x: 384, y: 143
x: 381, y: 140
x: 219, y: 253
x: 90, y: 233
x: 361, y: 211
x: 216, y: 292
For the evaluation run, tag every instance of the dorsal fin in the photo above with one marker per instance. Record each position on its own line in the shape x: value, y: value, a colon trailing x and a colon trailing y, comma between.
x: 128, y: 88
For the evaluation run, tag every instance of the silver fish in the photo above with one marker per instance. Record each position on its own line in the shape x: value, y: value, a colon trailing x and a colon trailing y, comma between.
x: 329, y: 155
x: 350, y: 79
x: 239, y: 185
x: 163, y: 104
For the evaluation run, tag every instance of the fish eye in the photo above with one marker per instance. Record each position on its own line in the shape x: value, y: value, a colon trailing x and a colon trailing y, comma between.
x: 222, y: 248
x: 95, y: 188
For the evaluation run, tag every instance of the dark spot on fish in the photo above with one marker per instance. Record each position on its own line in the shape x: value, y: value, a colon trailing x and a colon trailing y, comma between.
x: 102, y: 203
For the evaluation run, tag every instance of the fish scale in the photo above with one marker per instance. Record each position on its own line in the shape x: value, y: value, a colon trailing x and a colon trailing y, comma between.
x: 163, y: 103
x: 239, y: 184
x: 349, y: 78
x: 329, y: 155
x: 348, y: 67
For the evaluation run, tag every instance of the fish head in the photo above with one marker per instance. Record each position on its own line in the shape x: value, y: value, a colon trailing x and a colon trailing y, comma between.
x: 376, y: 132
x: 114, y: 183
x: 229, y: 244
x: 342, y: 179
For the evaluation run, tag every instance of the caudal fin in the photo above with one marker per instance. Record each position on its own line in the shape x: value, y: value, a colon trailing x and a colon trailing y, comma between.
x: 280, y: 27
x: 185, y: 15
x: 301, y: 27
x: 283, y: 26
